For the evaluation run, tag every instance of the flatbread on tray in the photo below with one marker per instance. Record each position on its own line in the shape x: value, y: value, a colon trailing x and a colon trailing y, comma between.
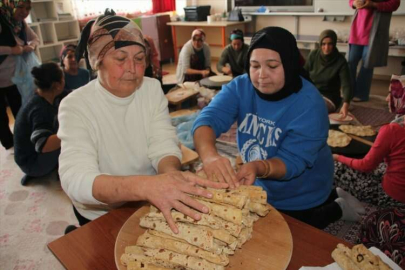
x: 203, y: 244
x: 338, y: 139
x: 220, y: 78
x: 361, y: 131
x: 359, y: 257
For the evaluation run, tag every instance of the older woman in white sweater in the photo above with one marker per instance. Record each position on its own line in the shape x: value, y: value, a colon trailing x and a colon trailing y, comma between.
x: 118, y: 144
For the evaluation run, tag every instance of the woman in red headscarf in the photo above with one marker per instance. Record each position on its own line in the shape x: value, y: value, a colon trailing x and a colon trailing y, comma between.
x: 369, y: 179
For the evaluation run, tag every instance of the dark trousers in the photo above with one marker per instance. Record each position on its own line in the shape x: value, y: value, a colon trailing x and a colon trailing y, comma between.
x: 82, y: 220
x: 11, y: 96
x: 42, y: 164
x: 319, y: 216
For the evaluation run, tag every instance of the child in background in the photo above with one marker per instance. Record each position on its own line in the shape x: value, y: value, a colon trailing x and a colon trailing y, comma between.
x: 37, y: 147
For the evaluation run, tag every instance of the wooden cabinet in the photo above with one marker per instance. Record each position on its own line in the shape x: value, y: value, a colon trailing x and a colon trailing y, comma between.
x: 55, y: 26
x: 165, y: 37
x: 156, y: 27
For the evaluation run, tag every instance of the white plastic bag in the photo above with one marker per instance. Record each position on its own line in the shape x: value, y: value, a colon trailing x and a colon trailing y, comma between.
x: 22, y: 76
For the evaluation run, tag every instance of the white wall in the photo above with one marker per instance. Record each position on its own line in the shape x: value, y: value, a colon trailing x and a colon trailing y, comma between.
x: 314, y: 25
x: 332, y: 6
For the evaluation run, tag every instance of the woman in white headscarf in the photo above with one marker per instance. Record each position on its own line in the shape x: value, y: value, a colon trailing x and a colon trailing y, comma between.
x: 195, y: 59
x: 118, y: 144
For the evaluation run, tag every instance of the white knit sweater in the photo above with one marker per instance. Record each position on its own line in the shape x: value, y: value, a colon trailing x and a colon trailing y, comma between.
x: 105, y: 134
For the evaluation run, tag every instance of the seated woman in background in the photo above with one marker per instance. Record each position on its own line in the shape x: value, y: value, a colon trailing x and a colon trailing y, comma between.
x: 329, y: 72
x: 36, y: 145
x: 195, y: 59
x: 233, y: 58
x: 75, y: 76
x: 282, y: 131
x: 370, y: 180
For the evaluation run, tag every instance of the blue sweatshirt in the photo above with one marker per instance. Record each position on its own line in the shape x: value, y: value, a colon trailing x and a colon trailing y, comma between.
x: 294, y: 129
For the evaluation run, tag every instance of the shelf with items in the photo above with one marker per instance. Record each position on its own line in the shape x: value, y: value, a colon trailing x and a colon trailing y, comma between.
x: 35, y: 27
x: 48, y: 33
x: 67, y: 30
x: 43, y: 11
x: 55, y: 26
x: 64, y: 10
x: 50, y: 53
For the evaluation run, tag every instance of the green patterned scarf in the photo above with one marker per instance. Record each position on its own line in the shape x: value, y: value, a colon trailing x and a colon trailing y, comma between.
x: 7, y: 11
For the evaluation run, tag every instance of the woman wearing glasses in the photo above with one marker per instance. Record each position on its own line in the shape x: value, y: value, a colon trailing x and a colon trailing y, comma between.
x: 195, y: 59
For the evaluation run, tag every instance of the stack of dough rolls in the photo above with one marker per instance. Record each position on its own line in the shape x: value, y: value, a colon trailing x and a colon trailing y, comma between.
x: 203, y: 244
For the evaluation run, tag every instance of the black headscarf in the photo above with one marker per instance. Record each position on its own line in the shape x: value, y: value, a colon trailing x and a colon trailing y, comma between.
x: 280, y: 40
x: 331, y: 58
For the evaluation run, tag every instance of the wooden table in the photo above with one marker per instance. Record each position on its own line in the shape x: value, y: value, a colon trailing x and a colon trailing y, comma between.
x: 92, y: 246
x: 188, y: 156
x: 178, y: 96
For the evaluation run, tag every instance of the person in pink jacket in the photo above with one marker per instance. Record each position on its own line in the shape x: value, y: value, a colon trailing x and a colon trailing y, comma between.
x: 370, y: 180
x: 368, y: 41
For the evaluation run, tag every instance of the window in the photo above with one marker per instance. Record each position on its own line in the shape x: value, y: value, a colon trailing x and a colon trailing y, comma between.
x: 92, y: 8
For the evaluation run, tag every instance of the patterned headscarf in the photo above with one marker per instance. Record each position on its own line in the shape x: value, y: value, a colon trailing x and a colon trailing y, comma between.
x: 108, y: 32
x: 199, y: 33
x: 64, y: 52
x: 7, y: 11
x: 397, y: 95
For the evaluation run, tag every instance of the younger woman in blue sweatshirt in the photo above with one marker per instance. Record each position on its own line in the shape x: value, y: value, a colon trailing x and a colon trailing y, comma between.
x: 282, y: 132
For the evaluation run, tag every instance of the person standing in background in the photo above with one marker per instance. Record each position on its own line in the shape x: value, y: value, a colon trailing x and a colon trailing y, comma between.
x: 16, y: 38
x: 368, y: 41
x: 233, y: 57
x: 75, y: 76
